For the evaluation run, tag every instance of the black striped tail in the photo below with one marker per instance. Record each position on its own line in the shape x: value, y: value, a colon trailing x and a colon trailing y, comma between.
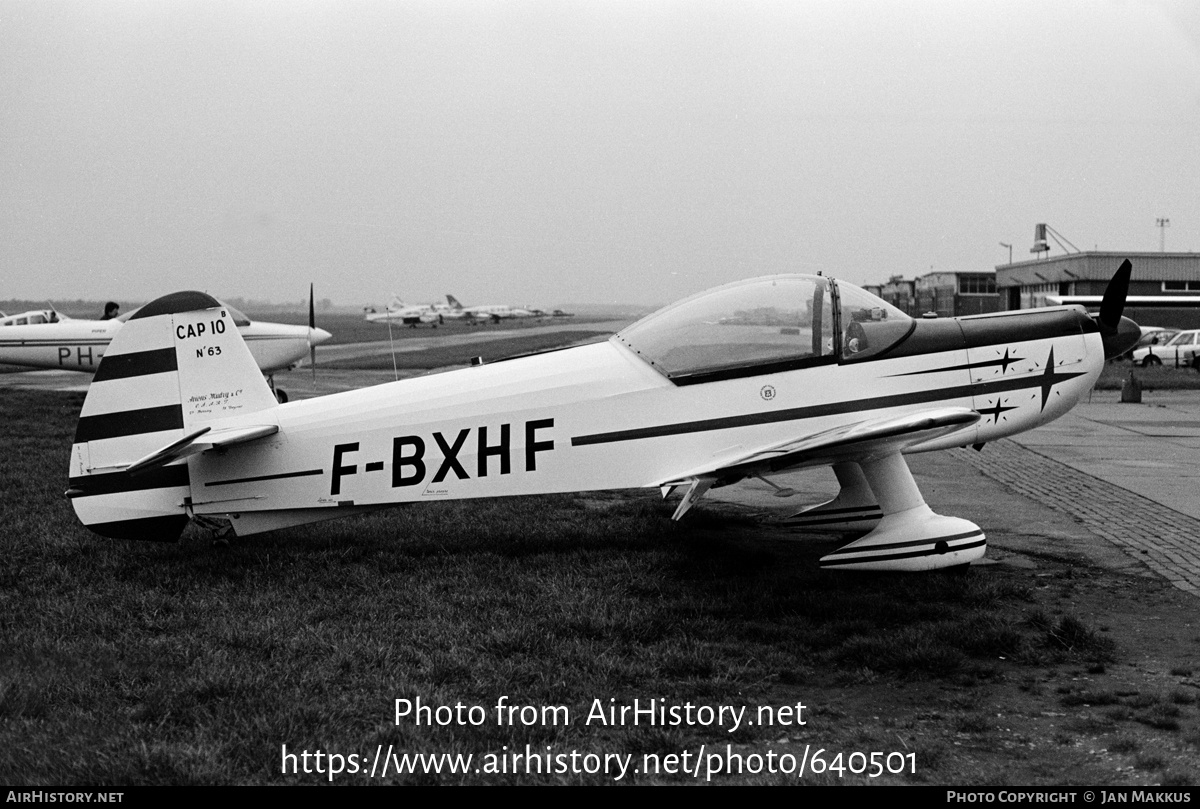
x: 177, y: 363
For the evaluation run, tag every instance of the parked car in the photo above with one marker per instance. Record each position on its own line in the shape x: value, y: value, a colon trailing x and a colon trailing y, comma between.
x: 1151, y: 336
x: 1177, y: 351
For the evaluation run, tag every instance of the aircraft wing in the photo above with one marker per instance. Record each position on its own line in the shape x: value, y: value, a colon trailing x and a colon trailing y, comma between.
x: 862, y: 440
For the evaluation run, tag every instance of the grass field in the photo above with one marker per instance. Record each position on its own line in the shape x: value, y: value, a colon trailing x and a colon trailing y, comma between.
x: 191, y: 663
x: 441, y: 356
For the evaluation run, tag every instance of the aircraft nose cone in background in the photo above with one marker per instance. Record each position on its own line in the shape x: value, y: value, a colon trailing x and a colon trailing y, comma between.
x: 317, y: 336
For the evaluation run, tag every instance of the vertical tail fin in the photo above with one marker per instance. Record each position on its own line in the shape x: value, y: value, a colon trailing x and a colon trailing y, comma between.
x: 178, y: 365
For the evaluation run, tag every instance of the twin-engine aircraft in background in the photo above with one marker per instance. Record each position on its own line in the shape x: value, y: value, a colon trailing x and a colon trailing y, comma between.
x: 408, y: 315
x: 742, y: 381
x: 435, y: 314
x: 49, y: 339
x: 494, y: 312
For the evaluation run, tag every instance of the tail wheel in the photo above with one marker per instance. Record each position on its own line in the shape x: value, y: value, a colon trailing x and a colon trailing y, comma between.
x: 1151, y: 360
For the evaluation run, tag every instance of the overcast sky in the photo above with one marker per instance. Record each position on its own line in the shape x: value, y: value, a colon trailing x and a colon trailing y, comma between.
x: 567, y: 151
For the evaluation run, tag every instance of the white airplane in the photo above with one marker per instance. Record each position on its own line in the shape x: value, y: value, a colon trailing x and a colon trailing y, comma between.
x: 32, y: 317
x: 49, y: 339
x: 411, y: 316
x: 493, y: 312
x: 805, y: 371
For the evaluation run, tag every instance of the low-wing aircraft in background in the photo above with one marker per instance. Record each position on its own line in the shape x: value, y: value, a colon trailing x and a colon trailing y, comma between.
x: 489, y: 312
x: 408, y: 315
x: 742, y: 381
x: 49, y: 339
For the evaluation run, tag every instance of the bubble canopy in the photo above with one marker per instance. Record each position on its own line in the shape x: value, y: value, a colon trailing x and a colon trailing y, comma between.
x: 765, y: 325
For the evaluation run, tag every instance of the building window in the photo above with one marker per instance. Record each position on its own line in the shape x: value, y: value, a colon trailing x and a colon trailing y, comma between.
x: 1034, y: 295
x: 976, y: 285
x: 1181, y: 286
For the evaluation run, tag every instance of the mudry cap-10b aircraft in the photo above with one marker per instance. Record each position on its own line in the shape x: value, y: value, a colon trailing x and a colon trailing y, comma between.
x: 741, y: 381
x: 48, y: 339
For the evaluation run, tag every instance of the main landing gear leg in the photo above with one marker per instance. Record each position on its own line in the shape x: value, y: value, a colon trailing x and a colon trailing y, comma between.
x: 697, y: 486
x: 854, y: 508
x: 280, y: 394
x: 910, y: 536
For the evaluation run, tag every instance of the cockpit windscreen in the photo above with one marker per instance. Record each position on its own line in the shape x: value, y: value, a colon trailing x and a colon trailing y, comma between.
x: 869, y: 324
x: 764, y: 323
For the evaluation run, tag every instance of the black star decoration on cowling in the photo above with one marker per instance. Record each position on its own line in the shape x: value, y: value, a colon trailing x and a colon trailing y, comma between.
x: 1044, y: 381
x: 995, y: 411
x: 1001, y: 362
x: 1005, y: 361
x: 1050, y: 378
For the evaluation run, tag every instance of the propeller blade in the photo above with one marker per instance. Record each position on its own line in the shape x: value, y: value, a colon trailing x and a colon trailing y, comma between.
x: 1113, y: 303
x: 1118, y: 333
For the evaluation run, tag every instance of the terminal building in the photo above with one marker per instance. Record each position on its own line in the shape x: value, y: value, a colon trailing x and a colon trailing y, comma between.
x: 950, y: 294
x: 900, y: 293
x: 945, y: 294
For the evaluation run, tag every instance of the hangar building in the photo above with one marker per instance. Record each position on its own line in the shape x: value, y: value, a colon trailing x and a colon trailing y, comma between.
x: 1164, y: 289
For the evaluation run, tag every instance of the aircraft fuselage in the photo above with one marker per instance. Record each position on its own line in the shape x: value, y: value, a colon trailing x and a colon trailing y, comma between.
x: 79, y: 345
x: 73, y: 345
x: 599, y: 417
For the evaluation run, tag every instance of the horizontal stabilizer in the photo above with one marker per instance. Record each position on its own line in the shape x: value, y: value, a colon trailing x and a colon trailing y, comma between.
x: 200, y: 440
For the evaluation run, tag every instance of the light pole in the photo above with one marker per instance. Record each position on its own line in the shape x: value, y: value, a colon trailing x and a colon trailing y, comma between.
x: 1009, y: 246
x: 1162, y: 225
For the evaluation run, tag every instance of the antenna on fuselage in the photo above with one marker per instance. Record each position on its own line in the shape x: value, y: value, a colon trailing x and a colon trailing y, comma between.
x: 392, y: 345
